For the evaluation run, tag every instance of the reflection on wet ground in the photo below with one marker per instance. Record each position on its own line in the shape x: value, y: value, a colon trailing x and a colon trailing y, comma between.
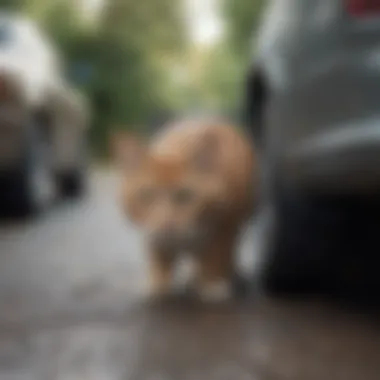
x: 70, y: 308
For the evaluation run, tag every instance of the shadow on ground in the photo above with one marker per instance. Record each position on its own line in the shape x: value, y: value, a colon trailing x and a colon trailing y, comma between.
x: 71, y: 308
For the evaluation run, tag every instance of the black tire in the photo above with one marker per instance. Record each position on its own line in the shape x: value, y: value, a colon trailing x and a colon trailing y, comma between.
x: 324, y: 247
x: 73, y: 184
x: 29, y: 189
x: 303, y: 246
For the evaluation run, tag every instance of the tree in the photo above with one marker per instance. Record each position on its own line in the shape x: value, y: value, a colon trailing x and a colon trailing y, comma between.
x: 133, y: 40
x: 220, y: 79
x: 241, y: 20
x: 123, y: 63
x: 11, y: 5
x: 226, y: 63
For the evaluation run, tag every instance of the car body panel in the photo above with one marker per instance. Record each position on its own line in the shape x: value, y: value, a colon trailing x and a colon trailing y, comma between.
x: 321, y: 67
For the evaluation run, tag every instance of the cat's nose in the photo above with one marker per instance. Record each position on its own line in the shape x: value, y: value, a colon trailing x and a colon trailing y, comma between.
x: 164, y: 237
x: 166, y: 228
x: 168, y: 232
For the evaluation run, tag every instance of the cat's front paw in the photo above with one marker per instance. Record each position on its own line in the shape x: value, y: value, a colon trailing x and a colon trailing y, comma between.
x: 154, y: 292
x: 217, y: 291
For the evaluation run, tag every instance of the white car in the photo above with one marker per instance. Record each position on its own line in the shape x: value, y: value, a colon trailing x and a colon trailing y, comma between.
x: 43, y: 121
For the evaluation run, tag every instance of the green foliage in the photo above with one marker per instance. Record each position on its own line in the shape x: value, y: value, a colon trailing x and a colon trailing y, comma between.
x: 128, y: 83
x: 242, y: 18
x: 226, y: 64
x: 126, y: 62
x: 11, y: 5
x: 220, y: 78
x: 152, y: 25
x: 126, y: 56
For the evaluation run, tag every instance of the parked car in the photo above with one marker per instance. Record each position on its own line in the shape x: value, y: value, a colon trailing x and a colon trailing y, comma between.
x: 43, y: 121
x: 313, y: 92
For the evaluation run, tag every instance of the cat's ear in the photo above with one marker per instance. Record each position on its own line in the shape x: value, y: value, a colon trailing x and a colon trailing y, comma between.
x: 207, y: 154
x: 128, y: 150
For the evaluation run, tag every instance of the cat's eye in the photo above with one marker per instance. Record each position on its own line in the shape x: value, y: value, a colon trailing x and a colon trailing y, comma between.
x: 147, y: 195
x: 183, y: 196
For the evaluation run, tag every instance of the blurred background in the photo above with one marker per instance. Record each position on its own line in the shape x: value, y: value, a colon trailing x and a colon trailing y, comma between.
x: 71, y: 277
x: 72, y: 72
x: 139, y: 62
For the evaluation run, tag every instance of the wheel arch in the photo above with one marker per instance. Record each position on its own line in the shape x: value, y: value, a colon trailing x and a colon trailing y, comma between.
x: 256, y: 96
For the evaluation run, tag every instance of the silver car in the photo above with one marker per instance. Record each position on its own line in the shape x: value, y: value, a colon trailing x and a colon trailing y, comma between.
x: 313, y: 105
x: 43, y: 121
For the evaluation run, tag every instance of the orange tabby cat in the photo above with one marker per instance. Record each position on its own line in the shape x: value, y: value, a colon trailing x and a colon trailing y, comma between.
x: 191, y: 189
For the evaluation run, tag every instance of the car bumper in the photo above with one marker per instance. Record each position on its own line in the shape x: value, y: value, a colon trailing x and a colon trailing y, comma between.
x: 12, y: 136
x: 10, y: 185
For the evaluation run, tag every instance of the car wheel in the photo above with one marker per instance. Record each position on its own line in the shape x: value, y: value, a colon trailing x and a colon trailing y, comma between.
x: 301, y: 237
x: 73, y: 183
x: 31, y: 186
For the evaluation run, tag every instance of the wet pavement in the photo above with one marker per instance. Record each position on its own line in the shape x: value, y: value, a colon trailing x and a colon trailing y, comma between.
x: 71, y: 307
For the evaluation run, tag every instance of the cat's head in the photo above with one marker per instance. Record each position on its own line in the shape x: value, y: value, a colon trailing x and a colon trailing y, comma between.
x: 175, y: 199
